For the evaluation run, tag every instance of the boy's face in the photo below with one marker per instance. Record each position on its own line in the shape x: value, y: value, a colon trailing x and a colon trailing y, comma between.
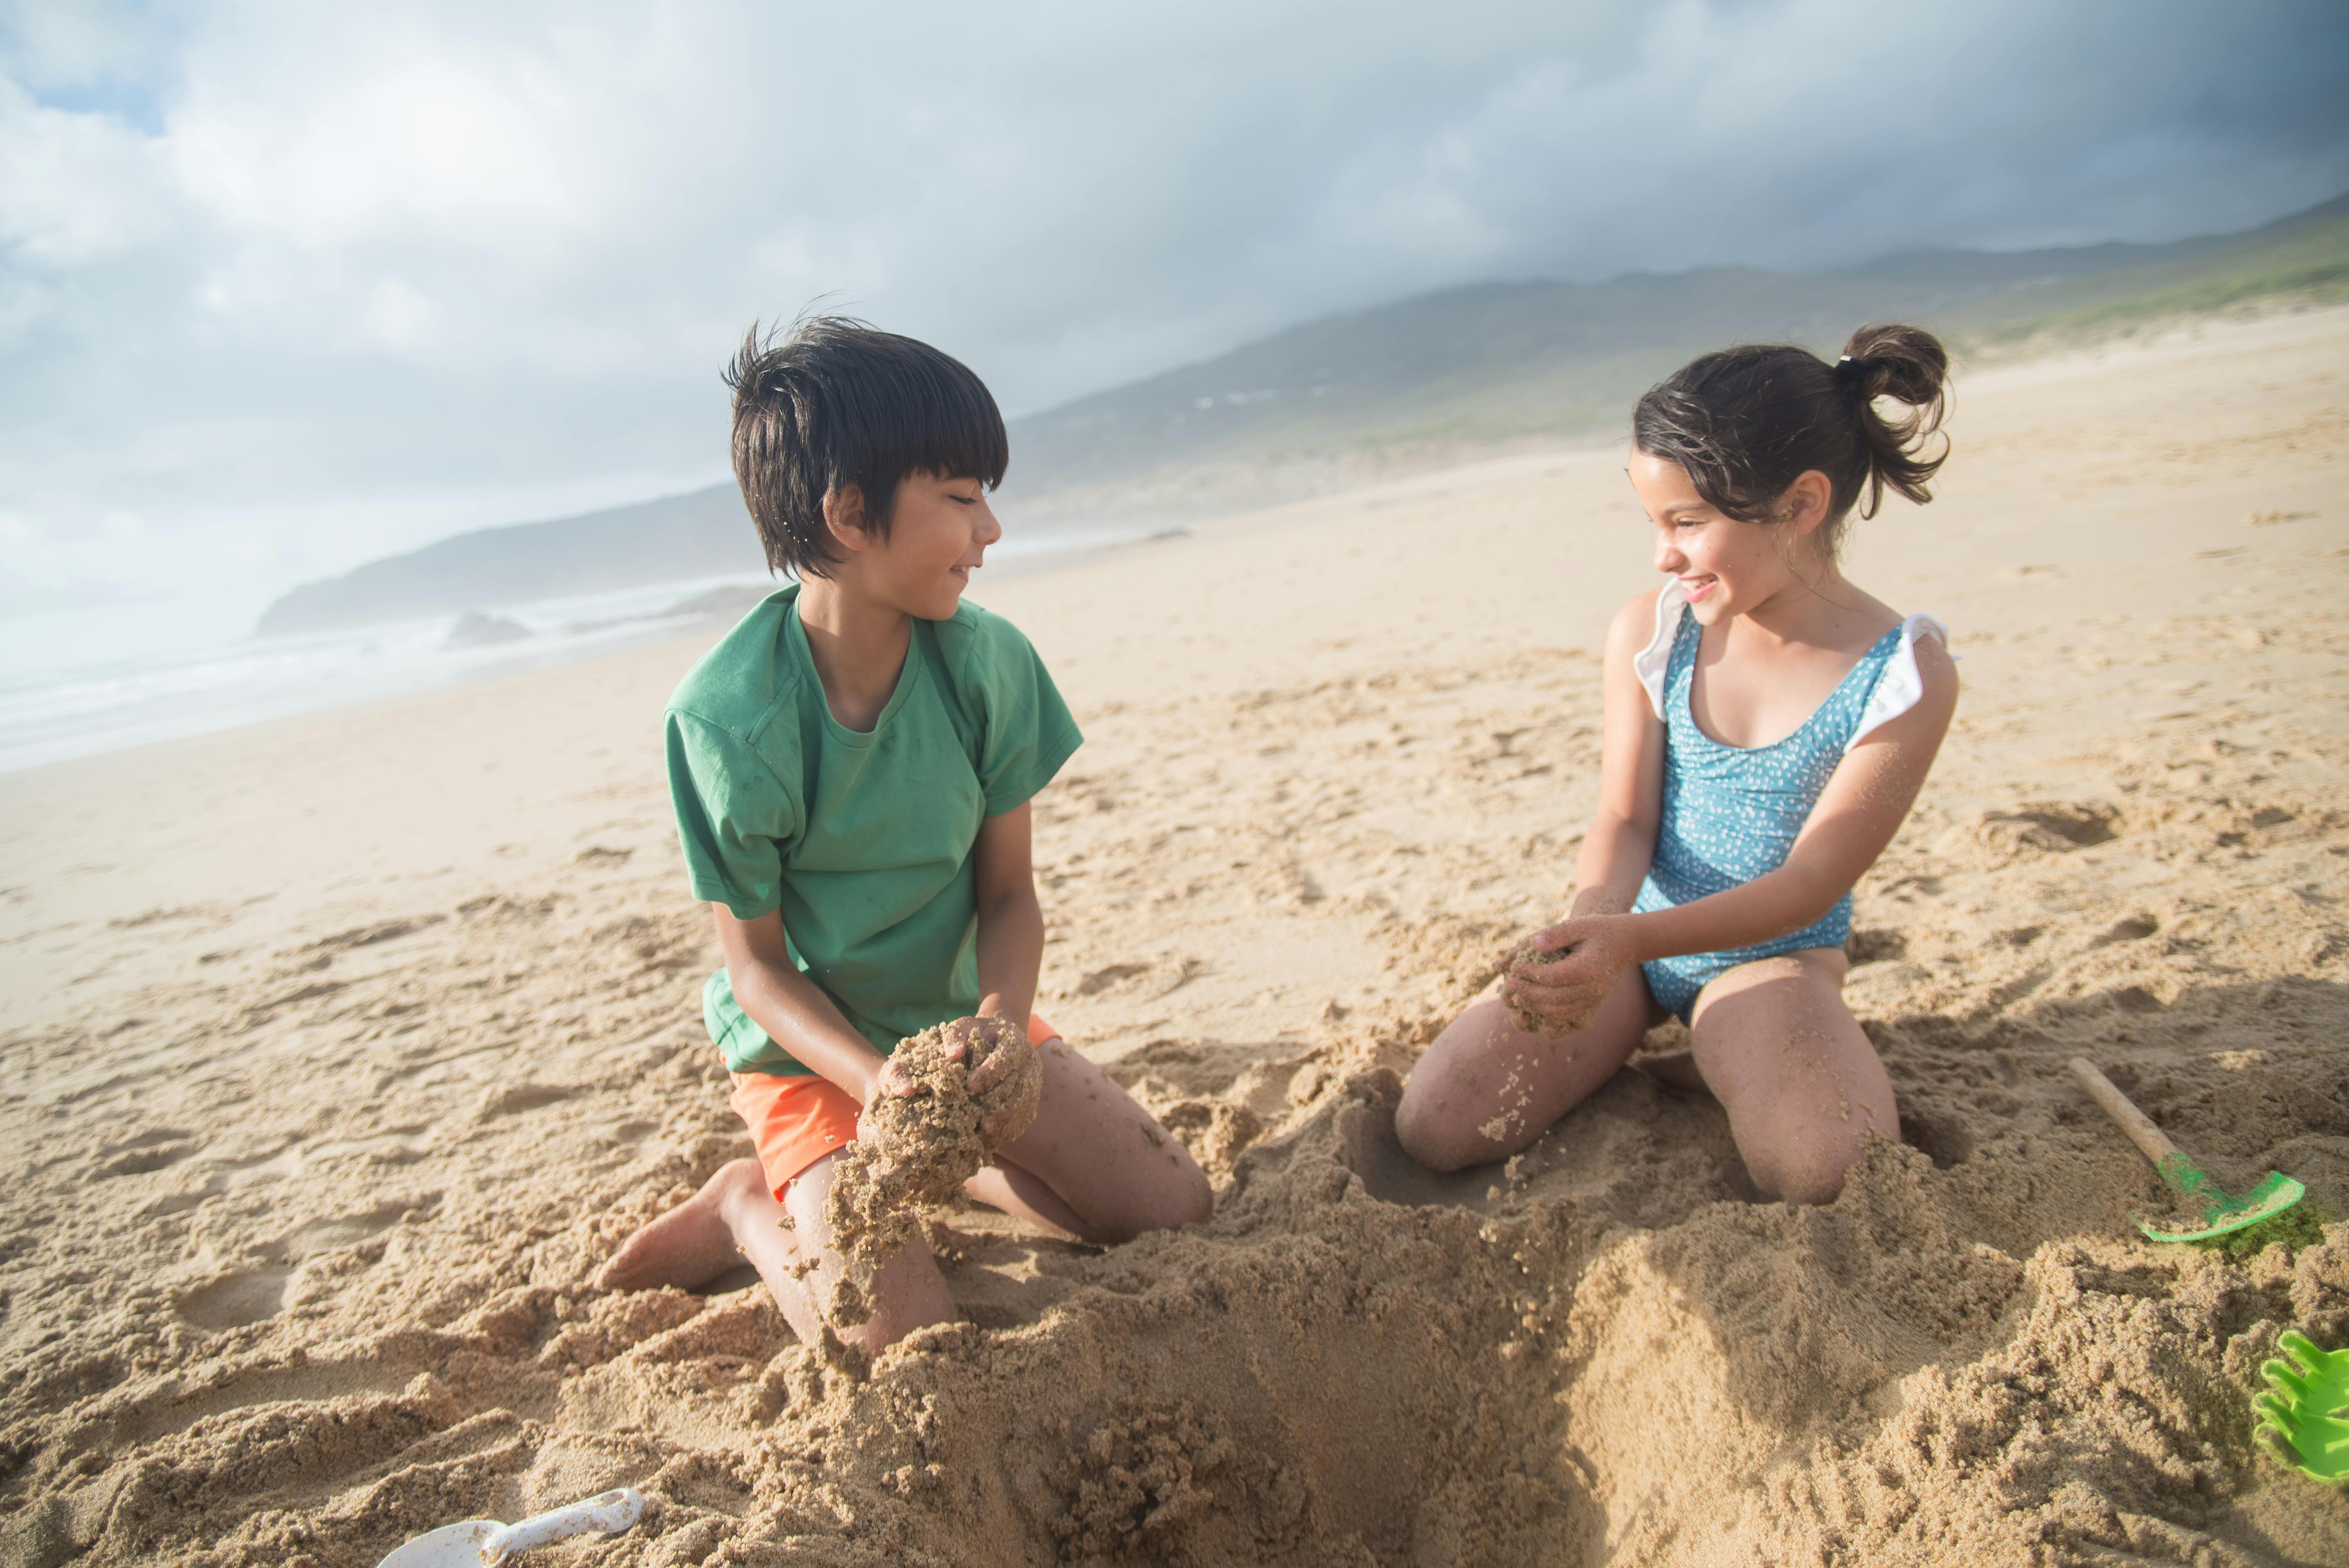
x: 938, y: 533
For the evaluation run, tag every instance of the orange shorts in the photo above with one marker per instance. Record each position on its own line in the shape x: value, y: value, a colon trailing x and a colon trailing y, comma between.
x: 796, y: 1120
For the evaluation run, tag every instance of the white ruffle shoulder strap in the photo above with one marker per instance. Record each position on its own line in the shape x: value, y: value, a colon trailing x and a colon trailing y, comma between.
x: 1897, y: 691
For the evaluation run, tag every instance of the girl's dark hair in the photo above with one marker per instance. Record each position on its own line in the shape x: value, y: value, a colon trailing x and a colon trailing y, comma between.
x: 829, y: 402
x: 1748, y: 421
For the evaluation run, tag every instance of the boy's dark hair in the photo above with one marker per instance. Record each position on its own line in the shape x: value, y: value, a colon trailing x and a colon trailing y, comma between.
x: 829, y: 402
x: 1748, y: 421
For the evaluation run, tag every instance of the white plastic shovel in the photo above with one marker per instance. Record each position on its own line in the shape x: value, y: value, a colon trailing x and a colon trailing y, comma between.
x: 484, y: 1543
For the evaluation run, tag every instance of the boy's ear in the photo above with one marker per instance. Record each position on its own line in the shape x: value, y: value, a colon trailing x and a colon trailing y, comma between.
x: 844, y: 517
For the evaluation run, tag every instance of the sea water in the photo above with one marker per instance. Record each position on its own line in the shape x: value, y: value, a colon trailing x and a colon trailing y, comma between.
x: 78, y: 683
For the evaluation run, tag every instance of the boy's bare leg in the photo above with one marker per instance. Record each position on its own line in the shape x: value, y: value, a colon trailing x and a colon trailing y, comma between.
x: 1016, y: 1191
x: 1094, y: 1162
x: 733, y: 1219
x: 1791, y: 1067
x: 1487, y: 1088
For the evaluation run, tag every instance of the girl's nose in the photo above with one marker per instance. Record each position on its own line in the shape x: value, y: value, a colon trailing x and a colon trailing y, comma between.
x: 1669, y: 557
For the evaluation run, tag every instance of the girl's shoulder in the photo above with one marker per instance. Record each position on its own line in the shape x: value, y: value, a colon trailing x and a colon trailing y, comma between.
x: 1645, y: 617
x: 1920, y: 677
x: 1642, y: 637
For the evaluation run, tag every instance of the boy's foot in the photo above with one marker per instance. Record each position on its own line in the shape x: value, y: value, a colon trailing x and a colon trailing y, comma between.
x: 693, y: 1243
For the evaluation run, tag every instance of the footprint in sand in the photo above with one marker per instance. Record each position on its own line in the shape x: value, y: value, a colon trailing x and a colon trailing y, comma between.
x: 148, y: 1152
x: 237, y: 1301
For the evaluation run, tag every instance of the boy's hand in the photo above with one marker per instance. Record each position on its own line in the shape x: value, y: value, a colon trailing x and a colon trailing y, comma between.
x: 1557, y: 979
x: 964, y: 1037
x: 1000, y: 1059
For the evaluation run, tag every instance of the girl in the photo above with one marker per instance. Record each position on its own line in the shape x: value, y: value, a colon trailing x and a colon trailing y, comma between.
x: 1768, y: 724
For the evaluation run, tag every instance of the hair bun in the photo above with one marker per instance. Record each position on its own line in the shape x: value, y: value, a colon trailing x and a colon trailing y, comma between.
x: 1906, y: 364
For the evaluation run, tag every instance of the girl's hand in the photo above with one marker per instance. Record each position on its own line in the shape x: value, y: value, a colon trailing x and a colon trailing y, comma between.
x: 1556, y: 980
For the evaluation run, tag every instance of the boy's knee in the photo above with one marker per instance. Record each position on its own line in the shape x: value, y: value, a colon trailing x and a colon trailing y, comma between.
x: 1181, y: 1198
x: 885, y: 1327
x: 1184, y: 1198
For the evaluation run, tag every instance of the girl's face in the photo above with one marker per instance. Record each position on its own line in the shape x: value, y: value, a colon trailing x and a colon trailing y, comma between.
x: 1724, y: 566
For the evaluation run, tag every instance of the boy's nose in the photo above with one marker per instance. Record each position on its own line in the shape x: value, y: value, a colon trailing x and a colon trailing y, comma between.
x: 989, y: 530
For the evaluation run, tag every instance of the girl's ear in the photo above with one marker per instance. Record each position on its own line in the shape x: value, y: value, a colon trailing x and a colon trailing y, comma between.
x: 844, y: 517
x: 1804, y: 505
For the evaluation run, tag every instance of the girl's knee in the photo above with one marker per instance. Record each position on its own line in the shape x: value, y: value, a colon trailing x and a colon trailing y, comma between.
x: 1435, y: 1138
x: 1803, y: 1170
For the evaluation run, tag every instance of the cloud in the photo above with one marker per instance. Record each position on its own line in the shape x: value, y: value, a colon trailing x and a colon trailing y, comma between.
x: 285, y: 287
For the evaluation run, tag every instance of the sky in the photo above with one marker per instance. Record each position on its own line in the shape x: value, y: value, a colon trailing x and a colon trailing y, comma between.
x: 285, y: 287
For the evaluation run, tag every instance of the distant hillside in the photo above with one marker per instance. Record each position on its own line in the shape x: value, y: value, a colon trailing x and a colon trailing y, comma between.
x: 1308, y: 408
x: 1497, y: 360
x: 705, y: 533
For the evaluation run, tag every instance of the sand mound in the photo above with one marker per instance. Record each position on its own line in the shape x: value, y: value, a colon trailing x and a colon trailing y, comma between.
x: 924, y: 1146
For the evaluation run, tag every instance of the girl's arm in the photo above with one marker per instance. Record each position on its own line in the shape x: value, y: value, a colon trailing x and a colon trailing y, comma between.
x: 1621, y: 839
x: 1010, y: 921
x: 1857, y: 815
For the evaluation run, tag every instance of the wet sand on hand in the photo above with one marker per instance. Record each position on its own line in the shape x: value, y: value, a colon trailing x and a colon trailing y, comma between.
x: 931, y: 1141
x: 341, y: 1052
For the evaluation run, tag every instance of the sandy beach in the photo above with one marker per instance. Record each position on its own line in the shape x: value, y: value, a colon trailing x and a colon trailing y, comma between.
x: 341, y: 1050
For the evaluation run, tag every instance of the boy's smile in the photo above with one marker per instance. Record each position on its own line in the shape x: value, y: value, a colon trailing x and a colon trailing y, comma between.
x: 939, y: 530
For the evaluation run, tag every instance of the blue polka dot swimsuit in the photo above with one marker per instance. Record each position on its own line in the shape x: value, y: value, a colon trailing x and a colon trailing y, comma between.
x: 1731, y: 813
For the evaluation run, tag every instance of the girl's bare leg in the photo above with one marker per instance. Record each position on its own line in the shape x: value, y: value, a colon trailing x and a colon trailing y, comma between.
x: 735, y: 1219
x: 1093, y: 1163
x: 1790, y: 1066
x: 1487, y: 1088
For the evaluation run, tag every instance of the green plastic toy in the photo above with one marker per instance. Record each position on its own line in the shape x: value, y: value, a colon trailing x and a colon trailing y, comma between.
x: 2220, y: 1213
x: 2305, y: 1422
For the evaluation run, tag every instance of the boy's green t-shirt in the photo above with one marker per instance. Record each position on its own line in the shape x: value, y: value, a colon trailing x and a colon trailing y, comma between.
x: 863, y: 841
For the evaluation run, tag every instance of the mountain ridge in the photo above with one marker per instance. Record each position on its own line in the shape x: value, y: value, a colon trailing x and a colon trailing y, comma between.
x: 1490, y: 361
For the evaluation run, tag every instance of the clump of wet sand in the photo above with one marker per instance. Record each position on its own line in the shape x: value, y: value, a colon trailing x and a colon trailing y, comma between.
x: 1513, y: 966
x: 919, y: 1148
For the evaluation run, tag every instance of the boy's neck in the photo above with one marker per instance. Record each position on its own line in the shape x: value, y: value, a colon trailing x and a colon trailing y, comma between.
x: 859, y: 647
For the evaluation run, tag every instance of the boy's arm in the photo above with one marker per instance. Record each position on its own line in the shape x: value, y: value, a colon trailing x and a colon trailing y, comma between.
x: 796, y: 1014
x: 1010, y: 920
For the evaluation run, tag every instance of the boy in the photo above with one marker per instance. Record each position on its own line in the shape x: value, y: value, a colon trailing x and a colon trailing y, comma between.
x: 851, y: 768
